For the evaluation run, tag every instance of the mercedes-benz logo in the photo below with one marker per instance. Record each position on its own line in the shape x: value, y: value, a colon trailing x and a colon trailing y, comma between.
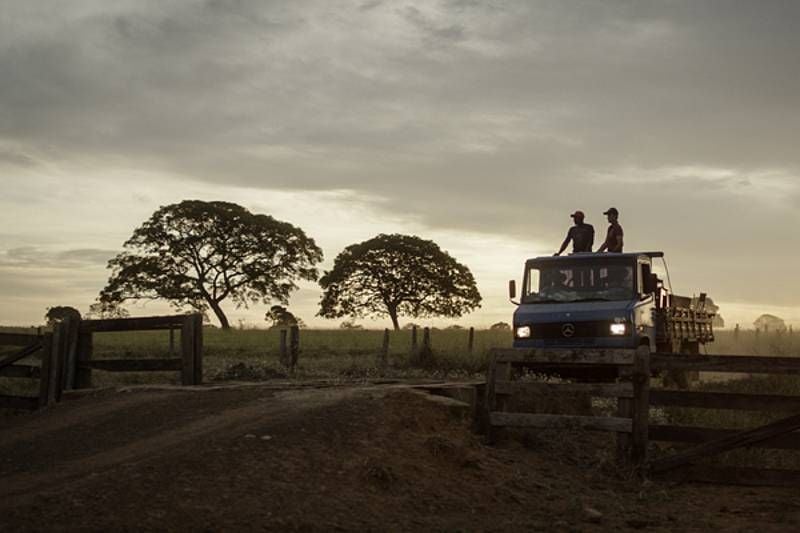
x: 568, y: 330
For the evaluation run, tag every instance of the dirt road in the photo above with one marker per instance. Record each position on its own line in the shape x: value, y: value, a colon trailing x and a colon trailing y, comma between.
x: 334, y: 458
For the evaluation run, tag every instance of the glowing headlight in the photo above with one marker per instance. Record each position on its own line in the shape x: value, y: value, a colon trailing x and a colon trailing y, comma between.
x: 523, y: 332
x: 619, y: 329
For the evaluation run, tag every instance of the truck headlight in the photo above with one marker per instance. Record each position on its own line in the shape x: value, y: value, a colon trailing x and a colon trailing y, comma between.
x: 619, y: 329
x: 523, y: 332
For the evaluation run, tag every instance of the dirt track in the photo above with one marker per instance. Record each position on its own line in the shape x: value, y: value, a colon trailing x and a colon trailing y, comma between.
x: 346, y: 458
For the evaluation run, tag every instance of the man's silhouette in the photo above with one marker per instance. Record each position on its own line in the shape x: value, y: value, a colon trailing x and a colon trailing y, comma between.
x: 613, y: 242
x: 581, y: 235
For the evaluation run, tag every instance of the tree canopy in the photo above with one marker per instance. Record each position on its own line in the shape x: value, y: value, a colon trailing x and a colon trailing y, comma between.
x: 59, y: 313
x: 394, y: 275
x: 198, y: 254
x: 280, y: 317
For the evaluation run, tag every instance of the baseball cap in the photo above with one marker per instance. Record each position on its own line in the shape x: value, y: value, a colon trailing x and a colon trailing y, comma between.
x: 578, y: 214
x: 612, y: 211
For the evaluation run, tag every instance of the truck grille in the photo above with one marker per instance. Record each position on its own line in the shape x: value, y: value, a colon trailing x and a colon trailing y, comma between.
x: 580, y: 330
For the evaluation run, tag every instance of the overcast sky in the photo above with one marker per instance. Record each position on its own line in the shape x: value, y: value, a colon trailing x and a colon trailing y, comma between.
x: 479, y: 124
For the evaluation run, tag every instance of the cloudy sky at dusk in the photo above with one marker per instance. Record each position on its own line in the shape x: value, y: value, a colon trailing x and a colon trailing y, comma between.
x: 478, y: 124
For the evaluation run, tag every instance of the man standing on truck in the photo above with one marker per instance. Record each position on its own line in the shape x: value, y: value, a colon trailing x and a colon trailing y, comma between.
x: 581, y: 235
x: 613, y: 242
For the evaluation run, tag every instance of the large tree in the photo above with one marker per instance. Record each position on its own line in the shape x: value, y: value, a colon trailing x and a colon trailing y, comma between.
x: 394, y: 275
x: 198, y: 254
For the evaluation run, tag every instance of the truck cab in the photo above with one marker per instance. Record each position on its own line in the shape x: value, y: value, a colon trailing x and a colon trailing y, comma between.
x: 589, y: 300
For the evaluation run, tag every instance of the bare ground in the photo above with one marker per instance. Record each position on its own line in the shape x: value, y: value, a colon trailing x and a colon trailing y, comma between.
x: 328, y: 458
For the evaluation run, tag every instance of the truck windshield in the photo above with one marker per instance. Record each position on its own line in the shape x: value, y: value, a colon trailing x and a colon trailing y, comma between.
x: 579, y: 282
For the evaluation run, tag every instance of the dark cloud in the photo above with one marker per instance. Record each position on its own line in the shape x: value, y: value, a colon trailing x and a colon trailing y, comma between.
x: 476, y: 116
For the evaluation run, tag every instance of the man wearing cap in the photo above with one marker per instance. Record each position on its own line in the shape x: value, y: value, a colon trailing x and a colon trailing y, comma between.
x: 613, y: 242
x: 581, y: 235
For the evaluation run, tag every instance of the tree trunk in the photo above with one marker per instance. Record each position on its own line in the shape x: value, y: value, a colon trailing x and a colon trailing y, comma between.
x: 223, y: 320
x: 393, y: 316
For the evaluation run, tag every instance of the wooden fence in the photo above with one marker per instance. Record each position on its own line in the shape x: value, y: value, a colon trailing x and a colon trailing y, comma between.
x: 67, y: 358
x: 635, y: 398
x: 422, y: 353
x: 31, y: 342
x: 189, y: 364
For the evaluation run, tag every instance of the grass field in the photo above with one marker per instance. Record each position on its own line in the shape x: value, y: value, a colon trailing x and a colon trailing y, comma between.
x: 253, y: 354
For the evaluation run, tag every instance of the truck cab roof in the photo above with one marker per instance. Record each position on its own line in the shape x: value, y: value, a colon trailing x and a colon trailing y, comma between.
x: 592, y: 255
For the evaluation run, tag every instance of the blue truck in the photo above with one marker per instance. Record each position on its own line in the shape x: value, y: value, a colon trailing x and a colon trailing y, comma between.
x: 611, y: 301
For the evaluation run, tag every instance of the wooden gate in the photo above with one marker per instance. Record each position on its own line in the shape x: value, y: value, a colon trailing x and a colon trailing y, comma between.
x: 627, y: 382
x: 781, y: 434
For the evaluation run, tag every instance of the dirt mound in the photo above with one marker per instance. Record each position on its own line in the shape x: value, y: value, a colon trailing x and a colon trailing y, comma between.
x: 350, y: 458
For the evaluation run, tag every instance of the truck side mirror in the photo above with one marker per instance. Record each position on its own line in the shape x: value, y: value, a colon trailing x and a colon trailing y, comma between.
x: 512, y: 289
x: 650, y: 283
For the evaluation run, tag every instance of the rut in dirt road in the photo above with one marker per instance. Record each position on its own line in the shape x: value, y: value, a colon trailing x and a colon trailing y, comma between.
x: 28, y: 452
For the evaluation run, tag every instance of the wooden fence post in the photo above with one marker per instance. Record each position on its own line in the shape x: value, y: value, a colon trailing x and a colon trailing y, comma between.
x: 58, y: 371
x: 294, y: 346
x: 83, y: 374
x: 187, y: 350
x: 498, y: 371
x: 198, y: 349
x: 71, y: 353
x: 413, y: 340
x: 384, y: 357
x: 425, y: 355
x: 641, y: 406
x: 283, y: 354
x: 47, y: 369
x: 471, y: 341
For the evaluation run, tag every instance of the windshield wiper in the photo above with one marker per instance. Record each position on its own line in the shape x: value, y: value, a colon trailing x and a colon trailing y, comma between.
x: 590, y: 300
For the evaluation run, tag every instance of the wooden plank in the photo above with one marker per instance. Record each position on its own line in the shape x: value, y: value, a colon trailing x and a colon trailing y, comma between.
x: 187, y: 352
x: 18, y: 402
x: 725, y: 400
x: 20, y: 371
x: 135, y: 365
x: 726, y: 363
x: 565, y: 356
x: 133, y: 324
x: 751, y: 477
x: 599, y: 390
x: 724, y: 444
x: 697, y: 435
x: 641, y: 405
x: 590, y: 423
x: 22, y: 354
x: 18, y: 339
